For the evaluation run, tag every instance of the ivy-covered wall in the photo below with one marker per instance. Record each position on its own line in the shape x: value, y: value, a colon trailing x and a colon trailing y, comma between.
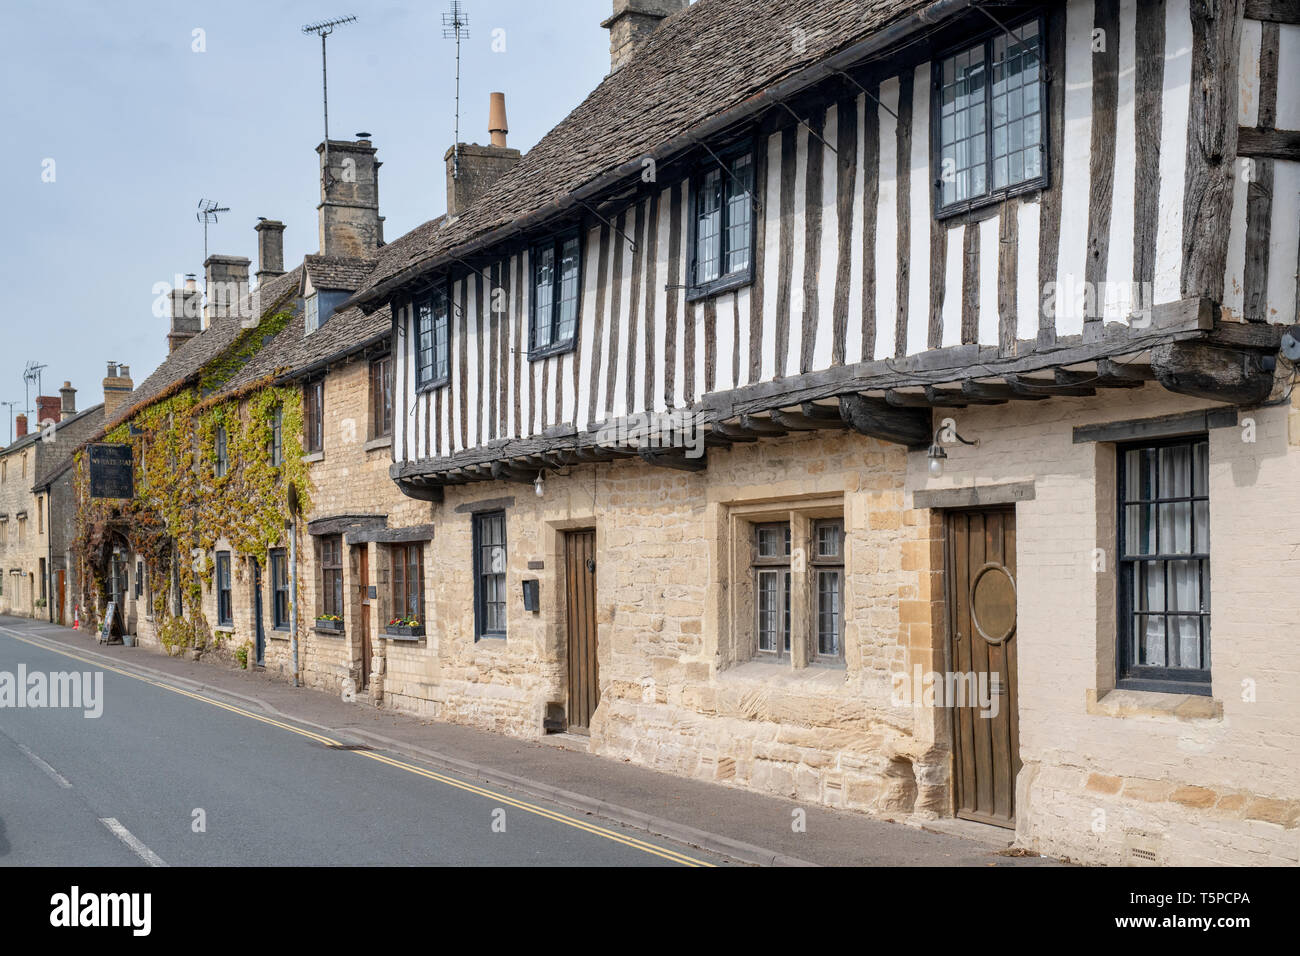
x: 182, y: 506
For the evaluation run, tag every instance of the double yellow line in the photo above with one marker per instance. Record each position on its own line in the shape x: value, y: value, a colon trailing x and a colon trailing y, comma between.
x: 663, y: 852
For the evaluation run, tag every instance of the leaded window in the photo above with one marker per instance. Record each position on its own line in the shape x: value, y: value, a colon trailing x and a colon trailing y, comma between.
x: 772, y: 587
x: 556, y: 269
x: 432, y: 338
x: 490, y: 573
x: 331, y: 570
x: 722, y: 223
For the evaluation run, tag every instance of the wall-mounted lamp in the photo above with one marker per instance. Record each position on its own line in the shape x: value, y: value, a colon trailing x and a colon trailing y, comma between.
x: 937, y: 455
x: 539, y: 485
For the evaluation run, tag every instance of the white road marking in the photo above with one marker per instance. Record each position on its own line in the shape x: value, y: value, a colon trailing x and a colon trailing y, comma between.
x: 126, y: 836
x: 53, y: 774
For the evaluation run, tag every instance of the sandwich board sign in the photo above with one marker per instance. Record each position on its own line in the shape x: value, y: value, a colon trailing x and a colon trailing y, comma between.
x: 111, y: 471
x: 106, y: 630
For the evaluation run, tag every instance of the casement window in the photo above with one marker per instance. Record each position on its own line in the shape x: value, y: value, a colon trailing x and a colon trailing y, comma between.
x: 556, y: 271
x: 40, y: 515
x: 827, y: 560
x: 490, y: 574
x: 313, y: 415
x: 722, y: 223
x: 989, y: 126
x: 139, y: 578
x: 381, y: 397
x: 319, y: 308
x: 407, y: 562
x: 225, y: 610
x: 279, y: 590
x: 276, y: 451
x: 1164, y: 566
x: 223, y: 455
x: 311, y: 320
x: 772, y: 587
x: 331, y: 573
x: 432, y: 338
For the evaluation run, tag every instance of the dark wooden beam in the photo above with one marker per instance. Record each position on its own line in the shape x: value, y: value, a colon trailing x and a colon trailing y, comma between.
x: 998, y: 392
x: 799, y: 422
x: 733, y: 433
x: 1275, y: 11
x: 508, y: 471
x: 761, y: 426
x: 1065, y: 376
x: 420, y: 490
x: 1271, y: 143
x: 877, y: 419
x: 1026, y: 385
x: 1221, y: 375
x: 1113, y: 370
x: 955, y: 397
x: 675, y: 458
x: 907, y: 399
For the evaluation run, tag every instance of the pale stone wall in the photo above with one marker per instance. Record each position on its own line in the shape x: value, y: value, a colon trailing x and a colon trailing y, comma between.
x: 1188, y: 780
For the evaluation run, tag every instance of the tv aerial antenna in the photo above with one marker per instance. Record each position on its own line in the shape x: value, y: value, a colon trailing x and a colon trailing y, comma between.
x: 455, y: 26
x: 323, y: 29
x: 208, y: 210
x: 31, y: 374
x: 11, y: 419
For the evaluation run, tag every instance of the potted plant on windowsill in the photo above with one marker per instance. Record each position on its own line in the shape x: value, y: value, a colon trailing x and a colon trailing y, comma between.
x: 404, y: 627
x: 330, y: 622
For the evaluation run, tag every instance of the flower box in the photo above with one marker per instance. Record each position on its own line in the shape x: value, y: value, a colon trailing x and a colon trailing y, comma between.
x: 334, y: 627
x: 404, y: 631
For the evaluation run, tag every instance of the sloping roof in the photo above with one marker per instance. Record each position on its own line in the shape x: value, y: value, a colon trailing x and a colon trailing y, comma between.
x: 86, y: 415
x: 195, y: 353
x: 337, y: 273
x: 292, y: 352
x: 700, y: 63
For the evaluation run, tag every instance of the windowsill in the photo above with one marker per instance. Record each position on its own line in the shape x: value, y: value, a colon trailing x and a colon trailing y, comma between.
x: 404, y: 638
x: 552, y: 350
x: 330, y: 632
x: 982, y: 202
x: 279, y: 633
x: 375, y: 444
x: 490, y: 640
x: 782, y: 673
x: 727, y: 283
x: 220, y: 628
x: 313, y: 456
x: 1143, y: 703
x: 433, y: 386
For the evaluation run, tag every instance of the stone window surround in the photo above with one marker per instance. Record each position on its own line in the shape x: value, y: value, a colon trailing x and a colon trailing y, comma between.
x: 741, y: 635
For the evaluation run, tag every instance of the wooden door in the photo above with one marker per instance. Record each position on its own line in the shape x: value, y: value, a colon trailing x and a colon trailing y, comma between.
x: 363, y: 612
x: 580, y: 580
x: 981, y: 586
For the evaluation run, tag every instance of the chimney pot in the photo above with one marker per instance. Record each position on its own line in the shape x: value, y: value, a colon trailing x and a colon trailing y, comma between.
x: 117, y: 388
x: 480, y: 166
x: 67, y: 401
x: 20, y: 426
x: 498, y: 128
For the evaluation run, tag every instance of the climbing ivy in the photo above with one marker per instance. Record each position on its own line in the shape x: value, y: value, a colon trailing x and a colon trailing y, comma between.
x: 182, y: 508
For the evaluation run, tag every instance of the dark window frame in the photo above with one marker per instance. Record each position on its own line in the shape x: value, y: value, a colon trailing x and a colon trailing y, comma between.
x: 819, y: 564
x: 381, y: 397
x: 768, y: 564
x: 276, y: 451
x: 313, y: 416
x: 221, y: 467
x: 427, y: 381
x: 333, y: 596
x: 278, y: 559
x: 402, y: 588
x: 555, y: 244
x: 991, y: 195
x: 726, y: 281
x: 225, y: 604
x: 1128, y: 674
x: 481, y: 631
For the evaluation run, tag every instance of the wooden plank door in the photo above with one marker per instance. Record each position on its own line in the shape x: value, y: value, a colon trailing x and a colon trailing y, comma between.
x: 363, y: 612
x: 981, y: 591
x: 580, y: 579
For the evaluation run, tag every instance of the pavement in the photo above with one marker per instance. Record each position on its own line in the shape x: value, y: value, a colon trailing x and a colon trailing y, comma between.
x: 286, y: 775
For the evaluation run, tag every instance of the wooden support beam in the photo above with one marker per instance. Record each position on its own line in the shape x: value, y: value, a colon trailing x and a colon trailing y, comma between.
x: 1270, y: 143
x: 1276, y: 11
x: 910, y: 399
x: 506, y: 471
x: 955, y: 397
x: 997, y: 391
x: 1029, y: 386
x: 734, y: 433
x: 675, y: 458
x: 761, y: 426
x: 420, y: 490
x: 1116, y: 371
x: 1221, y: 375
x: 902, y: 426
x: 799, y: 422
x: 1095, y: 379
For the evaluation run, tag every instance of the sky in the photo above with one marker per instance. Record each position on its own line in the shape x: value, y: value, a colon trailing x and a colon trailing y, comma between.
x: 119, y: 117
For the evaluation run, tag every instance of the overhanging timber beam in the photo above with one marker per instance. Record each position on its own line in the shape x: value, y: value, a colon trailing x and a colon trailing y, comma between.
x: 676, y: 458
x: 877, y: 419
x: 1224, y: 375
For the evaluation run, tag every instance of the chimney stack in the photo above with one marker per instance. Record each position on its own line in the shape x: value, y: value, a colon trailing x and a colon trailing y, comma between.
x: 117, y: 387
x: 226, y: 285
x: 20, y: 427
x: 47, y: 410
x: 270, y: 249
x: 187, y: 314
x: 480, y: 166
x: 67, y: 401
x: 632, y: 23
x: 348, y: 214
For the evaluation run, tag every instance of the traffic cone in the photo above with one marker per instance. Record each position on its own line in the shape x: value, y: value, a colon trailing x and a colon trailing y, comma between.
x: 76, y: 617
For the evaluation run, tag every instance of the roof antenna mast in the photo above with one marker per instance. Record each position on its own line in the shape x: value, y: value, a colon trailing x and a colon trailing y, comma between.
x: 455, y: 26
x: 208, y: 209
x: 31, y: 375
x: 323, y: 29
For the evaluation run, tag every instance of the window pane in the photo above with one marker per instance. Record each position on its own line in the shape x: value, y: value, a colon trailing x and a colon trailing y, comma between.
x: 543, y: 295
x: 829, y: 587
x: 739, y: 209
x: 1017, y: 129
x: 769, y: 609
x: 568, y: 313
x: 962, y: 125
x: 708, y: 228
